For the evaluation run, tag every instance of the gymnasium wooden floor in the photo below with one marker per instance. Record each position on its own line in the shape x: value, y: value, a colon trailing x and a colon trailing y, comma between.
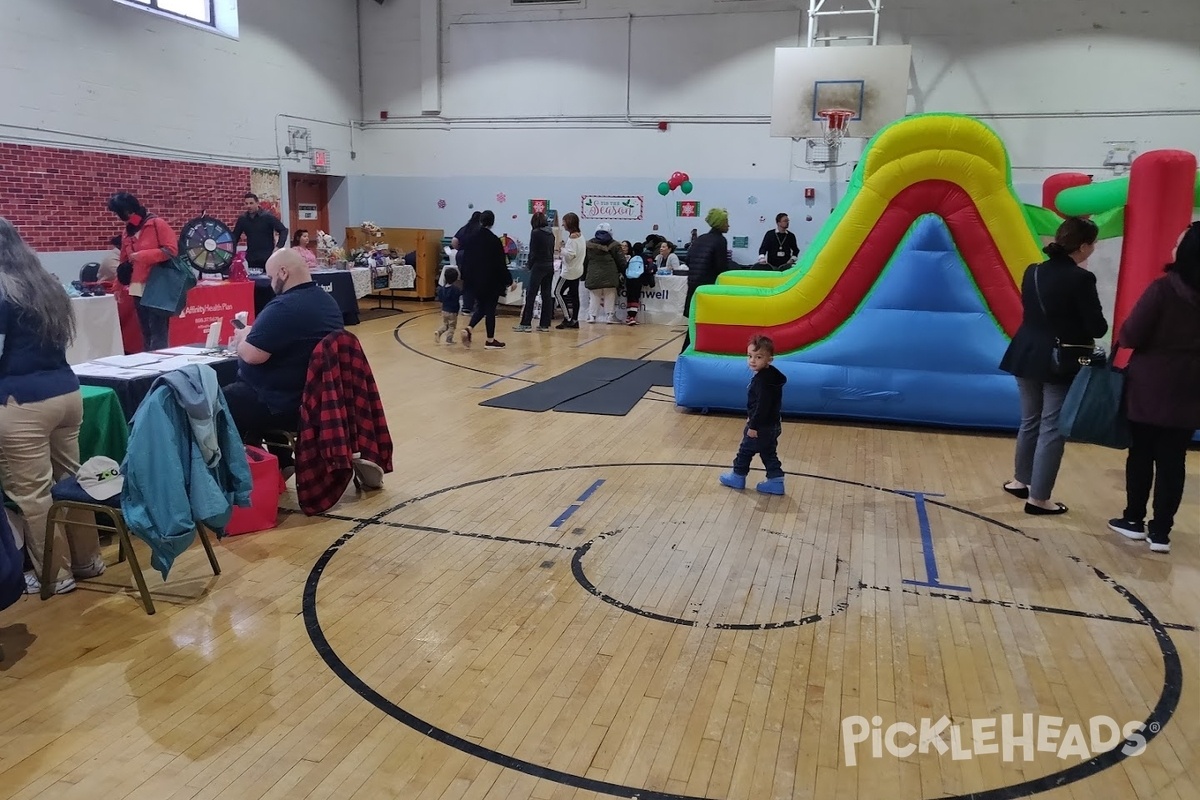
x: 444, y: 639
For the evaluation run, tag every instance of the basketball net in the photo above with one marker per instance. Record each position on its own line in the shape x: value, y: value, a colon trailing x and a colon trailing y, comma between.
x: 835, y: 122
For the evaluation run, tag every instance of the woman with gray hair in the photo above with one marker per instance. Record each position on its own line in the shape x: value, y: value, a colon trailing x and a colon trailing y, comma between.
x: 41, y: 408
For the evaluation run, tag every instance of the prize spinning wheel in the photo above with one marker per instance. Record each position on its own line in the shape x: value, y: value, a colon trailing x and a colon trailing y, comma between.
x: 207, y: 245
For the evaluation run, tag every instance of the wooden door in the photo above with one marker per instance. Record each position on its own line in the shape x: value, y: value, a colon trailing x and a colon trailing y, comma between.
x: 309, y: 195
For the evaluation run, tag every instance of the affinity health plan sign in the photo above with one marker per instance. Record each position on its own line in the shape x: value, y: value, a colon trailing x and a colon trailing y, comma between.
x: 609, y: 206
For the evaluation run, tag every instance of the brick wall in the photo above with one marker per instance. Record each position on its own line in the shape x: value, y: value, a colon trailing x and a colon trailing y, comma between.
x: 56, y: 197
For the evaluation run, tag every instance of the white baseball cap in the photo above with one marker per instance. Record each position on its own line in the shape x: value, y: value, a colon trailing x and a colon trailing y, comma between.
x: 604, y: 226
x: 101, y: 478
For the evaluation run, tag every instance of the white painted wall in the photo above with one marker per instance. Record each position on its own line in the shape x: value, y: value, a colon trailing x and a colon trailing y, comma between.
x: 99, y: 75
x: 1057, y: 79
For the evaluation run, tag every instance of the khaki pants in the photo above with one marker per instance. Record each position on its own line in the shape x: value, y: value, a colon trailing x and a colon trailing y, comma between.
x: 449, y: 324
x: 39, y: 445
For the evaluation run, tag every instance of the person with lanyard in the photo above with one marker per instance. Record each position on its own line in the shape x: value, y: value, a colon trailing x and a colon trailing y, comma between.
x: 260, y: 229
x: 779, y: 249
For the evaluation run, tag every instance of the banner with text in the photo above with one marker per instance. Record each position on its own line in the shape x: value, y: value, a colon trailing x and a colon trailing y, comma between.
x: 606, y: 206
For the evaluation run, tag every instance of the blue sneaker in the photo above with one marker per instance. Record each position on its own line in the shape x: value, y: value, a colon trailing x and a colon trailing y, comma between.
x: 771, y: 486
x: 733, y: 480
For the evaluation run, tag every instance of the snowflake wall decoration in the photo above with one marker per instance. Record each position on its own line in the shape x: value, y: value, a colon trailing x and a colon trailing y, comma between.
x: 752, y: 200
x: 441, y: 203
x: 501, y: 197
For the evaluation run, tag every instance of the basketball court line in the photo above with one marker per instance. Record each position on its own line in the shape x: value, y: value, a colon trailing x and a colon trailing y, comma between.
x: 1153, y: 725
x: 418, y: 315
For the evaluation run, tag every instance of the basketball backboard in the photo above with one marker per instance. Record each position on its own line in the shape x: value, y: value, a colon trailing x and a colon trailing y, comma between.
x: 872, y: 81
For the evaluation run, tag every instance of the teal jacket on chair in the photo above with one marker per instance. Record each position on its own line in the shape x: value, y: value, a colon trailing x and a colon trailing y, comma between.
x: 185, y: 465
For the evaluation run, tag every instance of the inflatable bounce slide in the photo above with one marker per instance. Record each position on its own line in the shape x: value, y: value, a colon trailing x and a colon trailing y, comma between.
x: 903, y: 305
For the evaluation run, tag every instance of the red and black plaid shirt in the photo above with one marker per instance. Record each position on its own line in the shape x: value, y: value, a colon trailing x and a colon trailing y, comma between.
x: 341, y: 414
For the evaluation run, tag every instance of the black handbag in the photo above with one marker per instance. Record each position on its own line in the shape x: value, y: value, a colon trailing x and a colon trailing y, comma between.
x: 1065, y: 359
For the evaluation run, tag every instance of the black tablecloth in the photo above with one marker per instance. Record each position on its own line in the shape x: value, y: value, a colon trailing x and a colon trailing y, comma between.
x: 339, y: 284
x: 131, y: 392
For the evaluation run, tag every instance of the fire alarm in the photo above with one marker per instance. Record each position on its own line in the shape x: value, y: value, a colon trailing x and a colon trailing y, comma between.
x: 662, y: 125
x: 810, y: 193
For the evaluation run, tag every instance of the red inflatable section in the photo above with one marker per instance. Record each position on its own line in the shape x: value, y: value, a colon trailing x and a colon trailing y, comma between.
x: 1055, y: 184
x: 970, y: 233
x: 1158, y: 209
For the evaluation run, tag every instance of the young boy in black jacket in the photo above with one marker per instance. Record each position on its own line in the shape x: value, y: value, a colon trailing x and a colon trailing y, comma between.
x: 450, y: 296
x: 764, y: 422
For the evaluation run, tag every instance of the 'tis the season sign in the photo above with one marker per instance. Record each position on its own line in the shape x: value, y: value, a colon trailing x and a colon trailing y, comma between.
x: 607, y: 206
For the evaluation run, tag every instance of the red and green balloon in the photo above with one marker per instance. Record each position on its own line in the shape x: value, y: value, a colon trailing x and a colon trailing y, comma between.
x: 678, y: 180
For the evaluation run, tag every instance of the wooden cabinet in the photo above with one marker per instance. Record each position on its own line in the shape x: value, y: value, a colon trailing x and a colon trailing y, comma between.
x: 426, y: 242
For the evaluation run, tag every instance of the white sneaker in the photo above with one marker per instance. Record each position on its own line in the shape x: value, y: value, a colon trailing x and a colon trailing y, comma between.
x: 1160, y: 547
x: 93, y: 570
x: 34, y: 586
x: 591, y: 318
x: 370, y: 475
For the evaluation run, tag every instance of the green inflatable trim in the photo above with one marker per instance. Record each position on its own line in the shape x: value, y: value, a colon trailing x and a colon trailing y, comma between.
x: 813, y: 251
x: 891, y: 265
x: 1096, y: 198
x: 1043, y: 221
x: 1111, y: 223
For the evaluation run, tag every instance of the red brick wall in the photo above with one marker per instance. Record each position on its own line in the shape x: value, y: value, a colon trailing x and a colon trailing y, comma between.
x: 56, y: 197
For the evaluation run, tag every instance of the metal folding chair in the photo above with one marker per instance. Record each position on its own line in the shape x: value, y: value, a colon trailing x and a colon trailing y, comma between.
x: 66, y: 496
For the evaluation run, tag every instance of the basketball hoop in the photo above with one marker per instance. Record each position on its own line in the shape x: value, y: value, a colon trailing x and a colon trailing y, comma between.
x: 835, y: 122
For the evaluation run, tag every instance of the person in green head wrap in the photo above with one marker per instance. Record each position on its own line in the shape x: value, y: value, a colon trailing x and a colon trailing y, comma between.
x: 708, y: 257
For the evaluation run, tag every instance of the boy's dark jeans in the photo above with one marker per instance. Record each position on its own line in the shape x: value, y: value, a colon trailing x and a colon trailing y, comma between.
x: 765, y: 445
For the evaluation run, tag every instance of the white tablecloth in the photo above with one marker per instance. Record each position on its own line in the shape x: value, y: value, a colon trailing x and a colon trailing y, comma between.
x: 662, y: 305
x: 97, y: 329
x: 402, y: 277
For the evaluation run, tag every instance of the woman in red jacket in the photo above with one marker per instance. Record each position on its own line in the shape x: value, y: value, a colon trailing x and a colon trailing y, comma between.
x: 1162, y: 394
x: 147, y: 242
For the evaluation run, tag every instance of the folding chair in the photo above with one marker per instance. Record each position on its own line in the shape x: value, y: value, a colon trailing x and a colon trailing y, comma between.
x: 68, y: 496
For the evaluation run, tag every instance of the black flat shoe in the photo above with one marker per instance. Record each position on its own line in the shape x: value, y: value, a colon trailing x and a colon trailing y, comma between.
x: 1020, y: 494
x: 1038, y: 511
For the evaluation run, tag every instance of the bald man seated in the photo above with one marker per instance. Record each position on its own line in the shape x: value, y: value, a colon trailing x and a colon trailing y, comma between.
x: 273, y: 354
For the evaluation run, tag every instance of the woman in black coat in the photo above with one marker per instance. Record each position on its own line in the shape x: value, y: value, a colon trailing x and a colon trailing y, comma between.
x: 1162, y: 394
x: 1062, y: 316
x: 541, y: 274
x: 485, y: 274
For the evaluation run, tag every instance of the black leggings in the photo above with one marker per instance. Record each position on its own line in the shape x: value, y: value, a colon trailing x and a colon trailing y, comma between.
x: 633, y: 297
x: 1157, y: 458
x: 567, y: 293
x: 540, y: 282
x: 485, y: 310
x: 155, y: 325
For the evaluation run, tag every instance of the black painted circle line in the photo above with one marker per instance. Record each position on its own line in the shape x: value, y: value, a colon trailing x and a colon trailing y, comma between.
x: 1152, y: 726
x: 591, y: 588
x: 415, y: 351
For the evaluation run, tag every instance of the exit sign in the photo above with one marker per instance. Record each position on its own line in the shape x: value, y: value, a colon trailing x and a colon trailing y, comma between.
x: 320, y: 160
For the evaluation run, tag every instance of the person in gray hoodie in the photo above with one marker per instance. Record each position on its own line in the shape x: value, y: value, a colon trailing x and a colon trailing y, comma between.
x: 603, y: 263
x: 541, y: 275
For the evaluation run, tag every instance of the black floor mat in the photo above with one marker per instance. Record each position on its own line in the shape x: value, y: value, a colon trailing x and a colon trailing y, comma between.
x: 663, y: 372
x: 562, y: 388
x: 616, y: 398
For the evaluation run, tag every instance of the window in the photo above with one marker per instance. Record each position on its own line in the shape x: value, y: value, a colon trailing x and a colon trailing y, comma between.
x: 217, y: 15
